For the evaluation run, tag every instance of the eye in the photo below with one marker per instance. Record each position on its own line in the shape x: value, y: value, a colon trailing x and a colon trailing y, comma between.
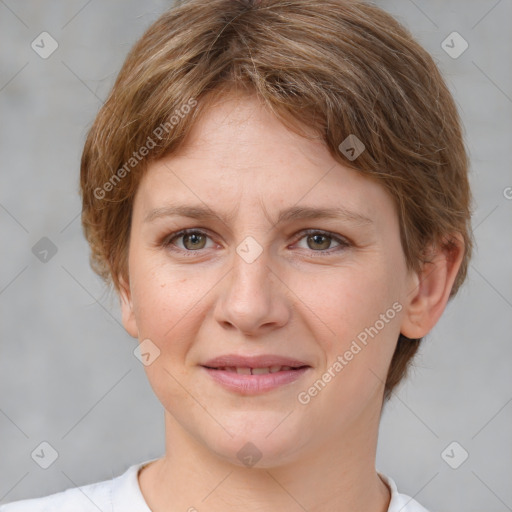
x: 319, y: 241
x: 193, y: 240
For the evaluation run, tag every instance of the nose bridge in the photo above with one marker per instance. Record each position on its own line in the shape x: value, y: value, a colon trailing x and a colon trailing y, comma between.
x: 250, y: 276
x: 251, y: 299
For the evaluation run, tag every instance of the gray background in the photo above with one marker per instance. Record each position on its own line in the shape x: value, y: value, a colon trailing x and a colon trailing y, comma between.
x: 68, y: 375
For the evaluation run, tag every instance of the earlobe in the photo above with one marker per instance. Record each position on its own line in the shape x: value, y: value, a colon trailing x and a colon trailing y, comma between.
x: 432, y: 286
x: 128, y: 316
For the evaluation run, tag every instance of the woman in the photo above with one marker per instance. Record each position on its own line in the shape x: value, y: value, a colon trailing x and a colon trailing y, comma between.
x: 278, y: 193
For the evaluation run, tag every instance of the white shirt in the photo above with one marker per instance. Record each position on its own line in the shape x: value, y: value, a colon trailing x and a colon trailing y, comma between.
x: 123, y: 494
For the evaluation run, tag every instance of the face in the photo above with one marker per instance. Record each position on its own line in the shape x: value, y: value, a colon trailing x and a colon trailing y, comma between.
x: 259, y: 280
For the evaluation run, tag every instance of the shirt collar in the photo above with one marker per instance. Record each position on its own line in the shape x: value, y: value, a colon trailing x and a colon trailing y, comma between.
x: 127, y: 495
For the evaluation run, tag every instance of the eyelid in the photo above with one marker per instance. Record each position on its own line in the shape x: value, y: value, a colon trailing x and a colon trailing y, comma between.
x: 343, y: 241
x: 311, y: 231
x: 167, y: 241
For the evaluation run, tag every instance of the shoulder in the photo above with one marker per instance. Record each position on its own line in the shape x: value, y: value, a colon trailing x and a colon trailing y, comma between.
x: 80, y: 499
x: 120, y: 494
x: 399, y: 502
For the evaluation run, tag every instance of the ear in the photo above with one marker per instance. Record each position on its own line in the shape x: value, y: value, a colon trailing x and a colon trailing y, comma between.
x: 431, y: 287
x: 128, y: 316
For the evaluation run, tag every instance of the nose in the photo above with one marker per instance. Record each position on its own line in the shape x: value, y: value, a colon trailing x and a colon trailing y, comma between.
x: 254, y: 298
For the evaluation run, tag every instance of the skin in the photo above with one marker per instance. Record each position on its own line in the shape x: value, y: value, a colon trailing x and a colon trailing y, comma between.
x: 306, y: 297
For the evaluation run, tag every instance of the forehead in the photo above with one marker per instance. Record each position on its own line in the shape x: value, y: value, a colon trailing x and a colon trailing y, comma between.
x: 238, y: 153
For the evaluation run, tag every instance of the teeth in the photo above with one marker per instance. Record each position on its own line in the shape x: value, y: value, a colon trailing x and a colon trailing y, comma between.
x: 260, y: 371
x: 255, y: 371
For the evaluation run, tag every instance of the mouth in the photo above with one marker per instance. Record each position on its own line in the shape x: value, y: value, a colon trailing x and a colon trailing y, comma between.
x: 256, y: 374
x: 241, y: 370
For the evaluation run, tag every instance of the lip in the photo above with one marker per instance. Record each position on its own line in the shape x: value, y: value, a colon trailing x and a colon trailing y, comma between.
x: 261, y: 361
x: 246, y: 384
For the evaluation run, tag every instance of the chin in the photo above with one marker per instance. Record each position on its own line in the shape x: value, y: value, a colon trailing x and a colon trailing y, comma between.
x: 259, y: 440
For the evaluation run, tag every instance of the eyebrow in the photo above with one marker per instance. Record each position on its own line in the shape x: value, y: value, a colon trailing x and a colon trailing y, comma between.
x: 287, y: 215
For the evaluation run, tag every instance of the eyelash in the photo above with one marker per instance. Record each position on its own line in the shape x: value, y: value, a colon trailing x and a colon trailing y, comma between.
x: 343, y: 243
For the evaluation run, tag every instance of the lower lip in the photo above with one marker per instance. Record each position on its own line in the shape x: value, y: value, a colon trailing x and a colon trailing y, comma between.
x: 255, y: 384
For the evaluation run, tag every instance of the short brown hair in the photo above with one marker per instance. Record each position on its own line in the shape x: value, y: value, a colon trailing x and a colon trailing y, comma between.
x: 338, y: 67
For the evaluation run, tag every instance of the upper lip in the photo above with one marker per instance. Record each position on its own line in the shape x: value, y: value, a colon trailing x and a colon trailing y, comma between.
x: 261, y: 361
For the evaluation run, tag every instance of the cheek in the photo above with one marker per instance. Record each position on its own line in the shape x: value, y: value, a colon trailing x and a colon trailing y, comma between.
x: 170, y: 305
x: 166, y: 311
x: 161, y: 297
x: 344, y: 301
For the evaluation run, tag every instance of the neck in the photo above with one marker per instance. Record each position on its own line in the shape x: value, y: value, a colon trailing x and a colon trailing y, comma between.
x: 338, y: 475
